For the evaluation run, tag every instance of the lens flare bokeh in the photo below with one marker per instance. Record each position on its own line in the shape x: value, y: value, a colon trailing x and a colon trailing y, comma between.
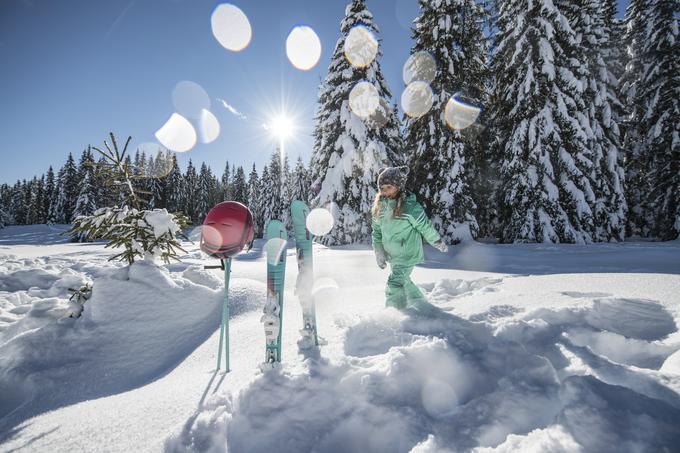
x: 190, y: 99
x: 156, y: 167
x: 177, y: 134
x: 274, y: 248
x: 420, y: 67
x: 364, y: 99
x: 380, y: 115
x: 417, y: 99
x: 459, y: 115
x: 208, y: 127
x: 324, y: 284
x: 361, y: 47
x: 303, y: 47
x: 210, y: 238
x: 231, y: 27
x: 319, y: 221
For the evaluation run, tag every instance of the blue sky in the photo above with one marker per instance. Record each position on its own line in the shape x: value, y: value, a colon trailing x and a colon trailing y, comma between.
x: 73, y: 70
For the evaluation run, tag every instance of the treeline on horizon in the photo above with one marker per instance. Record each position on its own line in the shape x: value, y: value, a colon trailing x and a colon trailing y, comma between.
x: 578, y: 140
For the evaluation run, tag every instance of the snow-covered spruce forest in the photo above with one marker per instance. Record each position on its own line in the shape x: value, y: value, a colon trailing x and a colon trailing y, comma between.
x: 578, y: 140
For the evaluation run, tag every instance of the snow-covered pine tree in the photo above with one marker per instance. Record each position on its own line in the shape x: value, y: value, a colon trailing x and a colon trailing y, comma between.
x: 205, y: 196
x: 140, y: 175
x: 105, y: 195
x: 614, y: 48
x: 69, y: 185
x: 156, y: 172
x: 272, y: 188
x: 163, y: 165
x: 348, y: 152
x: 175, y: 187
x: 26, y: 192
x: 49, y: 193
x: 6, y: 217
x: 85, y: 205
x: 56, y: 213
x: 145, y: 181
x: 285, y: 194
x: 26, y: 195
x: 190, y: 194
x: 226, y: 183
x: 264, y: 200
x: 299, y: 183
x: 442, y: 160
x: 659, y: 96
x: 240, y: 186
x: 4, y: 214
x: 254, y: 200
x: 637, y: 33
x: 37, y: 193
x: 588, y: 22
x: 545, y: 169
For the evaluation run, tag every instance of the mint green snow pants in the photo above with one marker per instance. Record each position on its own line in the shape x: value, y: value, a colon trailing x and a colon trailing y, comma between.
x: 401, y: 292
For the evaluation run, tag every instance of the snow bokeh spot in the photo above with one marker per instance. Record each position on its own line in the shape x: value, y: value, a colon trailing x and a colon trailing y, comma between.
x: 364, y: 99
x: 459, y: 115
x: 420, y: 67
x: 417, y: 99
x: 274, y: 248
x: 303, y: 47
x: 361, y: 46
x: 177, y: 134
x: 380, y: 115
x: 231, y: 27
x: 319, y: 221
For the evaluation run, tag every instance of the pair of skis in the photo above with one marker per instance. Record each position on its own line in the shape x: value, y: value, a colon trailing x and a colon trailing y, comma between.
x: 275, y: 248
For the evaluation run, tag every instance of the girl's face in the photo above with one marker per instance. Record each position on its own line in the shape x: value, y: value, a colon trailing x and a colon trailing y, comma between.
x: 389, y: 191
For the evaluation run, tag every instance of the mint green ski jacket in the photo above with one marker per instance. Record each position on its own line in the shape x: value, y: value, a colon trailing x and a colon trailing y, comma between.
x: 402, y: 238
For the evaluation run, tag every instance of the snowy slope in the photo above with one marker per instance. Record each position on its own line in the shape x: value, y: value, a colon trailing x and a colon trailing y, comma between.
x: 524, y: 348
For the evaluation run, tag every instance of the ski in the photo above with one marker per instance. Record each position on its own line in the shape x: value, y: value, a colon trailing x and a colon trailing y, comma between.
x: 305, y: 280
x: 272, y: 317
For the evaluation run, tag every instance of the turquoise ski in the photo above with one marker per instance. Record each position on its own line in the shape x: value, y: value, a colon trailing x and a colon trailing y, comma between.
x: 303, y: 246
x: 272, y: 318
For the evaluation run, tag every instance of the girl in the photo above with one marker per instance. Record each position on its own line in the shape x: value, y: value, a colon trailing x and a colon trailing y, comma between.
x: 399, y: 226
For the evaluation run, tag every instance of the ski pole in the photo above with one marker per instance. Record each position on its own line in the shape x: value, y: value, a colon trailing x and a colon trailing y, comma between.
x: 224, y: 327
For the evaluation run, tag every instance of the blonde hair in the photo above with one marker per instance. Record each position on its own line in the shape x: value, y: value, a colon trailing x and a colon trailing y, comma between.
x: 397, y: 208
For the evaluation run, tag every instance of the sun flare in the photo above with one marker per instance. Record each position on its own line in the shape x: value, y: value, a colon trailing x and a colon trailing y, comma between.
x: 282, y: 126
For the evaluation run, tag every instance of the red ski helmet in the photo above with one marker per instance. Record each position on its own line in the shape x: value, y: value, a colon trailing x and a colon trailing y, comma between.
x: 227, y: 229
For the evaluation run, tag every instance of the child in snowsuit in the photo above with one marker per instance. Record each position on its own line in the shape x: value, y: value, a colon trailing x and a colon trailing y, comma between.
x: 399, y: 226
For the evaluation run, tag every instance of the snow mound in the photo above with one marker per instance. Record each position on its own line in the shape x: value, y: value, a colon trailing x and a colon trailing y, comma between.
x: 32, y: 298
x: 559, y: 380
x: 439, y: 374
x: 139, y: 323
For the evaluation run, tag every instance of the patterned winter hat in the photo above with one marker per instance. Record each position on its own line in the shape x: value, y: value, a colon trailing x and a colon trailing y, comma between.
x: 395, y: 176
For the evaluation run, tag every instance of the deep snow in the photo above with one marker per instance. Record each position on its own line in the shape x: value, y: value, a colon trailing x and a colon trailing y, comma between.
x: 523, y: 348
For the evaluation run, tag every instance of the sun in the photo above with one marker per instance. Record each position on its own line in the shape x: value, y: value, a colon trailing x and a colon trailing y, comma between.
x: 282, y: 126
